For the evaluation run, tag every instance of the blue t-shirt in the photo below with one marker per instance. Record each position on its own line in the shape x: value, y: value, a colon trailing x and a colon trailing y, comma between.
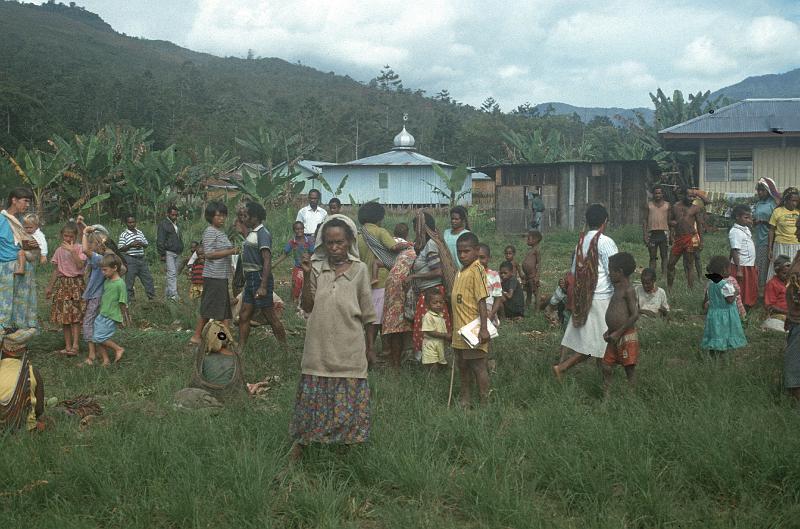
x: 8, y: 250
x: 94, y: 288
x: 298, y: 248
x: 258, y: 239
x: 762, y: 210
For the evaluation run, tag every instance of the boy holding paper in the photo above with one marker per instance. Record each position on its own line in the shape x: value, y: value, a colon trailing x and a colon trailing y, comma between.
x: 469, y: 302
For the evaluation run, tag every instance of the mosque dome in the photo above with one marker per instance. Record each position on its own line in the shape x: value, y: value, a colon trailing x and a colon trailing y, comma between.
x: 404, y: 140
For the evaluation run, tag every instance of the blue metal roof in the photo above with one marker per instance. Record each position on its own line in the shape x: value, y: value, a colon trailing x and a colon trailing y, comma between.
x: 748, y: 116
x: 397, y: 157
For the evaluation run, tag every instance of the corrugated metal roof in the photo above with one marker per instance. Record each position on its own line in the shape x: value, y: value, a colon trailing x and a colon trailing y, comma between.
x: 313, y: 166
x: 748, y: 116
x: 397, y: 157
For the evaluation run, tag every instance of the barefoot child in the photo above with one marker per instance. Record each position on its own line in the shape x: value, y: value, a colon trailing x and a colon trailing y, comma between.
x: 621, y: 316
x: 297, y: 246
x: 113, y: 310
x: 723, y: 330
x: 530, y: 268
x: 652, y: 299
x: 66, y: 286
x: 493, y: 282
x: 743, y: 255
x: 510, y: 253
x: 94, y: 247
x: 434, y: 331
x: 513, y: 298
x: 468, y: 300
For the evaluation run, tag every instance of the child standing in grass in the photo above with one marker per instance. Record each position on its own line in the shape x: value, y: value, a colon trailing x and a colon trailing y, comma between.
x: 297, y: 246
x: 434, y: 331
x: 743, y: 255
x: 530, y: 268
x: 723, y: 330
x: 513, y: 298
x: 621, y: 316
x: 113, y: 309
x: 469, y: 302
x: 66, y: 287
x: 510, y: 253
x: 493, y: 282
x: 94, y: 247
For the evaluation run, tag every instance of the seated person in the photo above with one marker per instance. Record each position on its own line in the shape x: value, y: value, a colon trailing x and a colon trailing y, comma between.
x: 652, y: 299
x: 218, y: 367
x: 513, y: 295
x: 19, y: 408
x: 775, y: 295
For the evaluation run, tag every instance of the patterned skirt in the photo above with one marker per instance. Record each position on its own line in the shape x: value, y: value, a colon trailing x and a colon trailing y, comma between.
x: 422, y: 308
x: 68, y: 303
x: 331, y: 410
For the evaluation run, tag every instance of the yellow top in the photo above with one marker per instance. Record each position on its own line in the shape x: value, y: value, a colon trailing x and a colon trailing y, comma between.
x: 468, y: 289
x: 433, y: 348
x: 9, y: 375
x: 366, y: 255
x: 784, y: 222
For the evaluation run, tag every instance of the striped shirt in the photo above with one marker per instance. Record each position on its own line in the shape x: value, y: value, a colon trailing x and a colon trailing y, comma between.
x: 606, y: 247
x: 128, y: 237
x: 215, y: 240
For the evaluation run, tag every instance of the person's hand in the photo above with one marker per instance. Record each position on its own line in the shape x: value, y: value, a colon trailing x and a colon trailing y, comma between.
x: 449, y: 337
x: 261, y: 292
x: 769, y: 255
x: 646, y: 239
x: 29, y: 245
x: 88, y: 229
x: 562, y: 284
x: 371, y: 357
x: 305, y: 263
x: 483, y: 335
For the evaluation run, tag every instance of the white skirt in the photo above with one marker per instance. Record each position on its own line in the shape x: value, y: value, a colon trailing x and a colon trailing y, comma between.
x: 789, y: 250
x: 588, y: 339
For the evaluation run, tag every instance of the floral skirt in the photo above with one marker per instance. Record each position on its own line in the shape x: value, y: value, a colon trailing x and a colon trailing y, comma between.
x: 422, y: 308
x: 68, y: 303
x: 331, y: 410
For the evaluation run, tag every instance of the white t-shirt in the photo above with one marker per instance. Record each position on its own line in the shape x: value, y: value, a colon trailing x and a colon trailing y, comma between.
x: 311, y: 219
x: 606, y: 247
x: 740, y: 239
x: 40, y: 239
x: 652, y: 301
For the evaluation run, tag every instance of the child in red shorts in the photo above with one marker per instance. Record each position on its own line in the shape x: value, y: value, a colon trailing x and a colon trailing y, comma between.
x: 621, y: 316
x: 297, y: 246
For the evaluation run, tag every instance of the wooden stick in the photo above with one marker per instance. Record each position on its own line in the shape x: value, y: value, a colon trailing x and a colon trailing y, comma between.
x: 452, y: 377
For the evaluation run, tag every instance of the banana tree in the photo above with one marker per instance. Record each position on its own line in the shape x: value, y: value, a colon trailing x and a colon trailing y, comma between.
x: 263, y: 187
x: 327, y: 187
x: 40, y: 170
x: 453, y: 184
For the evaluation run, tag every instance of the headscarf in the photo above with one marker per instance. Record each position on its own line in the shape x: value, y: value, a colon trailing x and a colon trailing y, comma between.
x: 772, y: 189
x: 14, y: 343
x: 789, y: 191
x: 320, y: 254
x: 449, y: 269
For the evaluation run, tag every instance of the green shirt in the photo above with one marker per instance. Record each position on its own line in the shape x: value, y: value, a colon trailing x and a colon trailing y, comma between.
x: 366, y: 255
x: 114, y: 293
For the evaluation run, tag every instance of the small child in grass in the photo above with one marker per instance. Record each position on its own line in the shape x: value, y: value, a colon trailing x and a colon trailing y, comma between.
x: 195, y: 266
x: 743, y: 255
x: 723, y: 330
x: 434, y: 331
x: 297, y: 247
x: 468, y: 300
x: 513, y: 298
x: 493, y: 282
x: 113, y: 310
x: 652, y: 299
x: 530, y: 268
x: 775, y: 296
x: 510, y: 253
x: 621, y: 316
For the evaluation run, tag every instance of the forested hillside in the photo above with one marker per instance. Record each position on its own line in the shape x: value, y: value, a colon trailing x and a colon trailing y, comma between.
x: 764, y: 86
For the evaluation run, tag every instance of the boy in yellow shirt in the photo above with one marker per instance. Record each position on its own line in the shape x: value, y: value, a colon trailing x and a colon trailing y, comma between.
x: 469, y: 302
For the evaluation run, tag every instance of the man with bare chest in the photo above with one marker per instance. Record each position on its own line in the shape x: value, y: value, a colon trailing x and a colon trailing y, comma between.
x: 683, y: 217
x: 655, y: 229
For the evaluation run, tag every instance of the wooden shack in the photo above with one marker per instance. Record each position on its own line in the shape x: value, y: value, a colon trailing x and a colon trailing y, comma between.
x: 567, y: 188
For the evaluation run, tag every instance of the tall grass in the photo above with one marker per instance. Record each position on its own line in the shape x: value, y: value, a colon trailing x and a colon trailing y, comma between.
x: 697, y: 443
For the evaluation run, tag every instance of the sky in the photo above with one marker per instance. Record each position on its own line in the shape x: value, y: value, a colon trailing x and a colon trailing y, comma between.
x: 591, y: 53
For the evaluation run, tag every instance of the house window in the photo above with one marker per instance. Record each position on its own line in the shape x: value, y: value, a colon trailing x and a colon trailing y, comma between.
x: 729, y: 165
x: 383, y: 180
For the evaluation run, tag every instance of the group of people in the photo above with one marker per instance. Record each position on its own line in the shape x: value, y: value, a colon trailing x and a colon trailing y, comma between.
x: 356, y: 281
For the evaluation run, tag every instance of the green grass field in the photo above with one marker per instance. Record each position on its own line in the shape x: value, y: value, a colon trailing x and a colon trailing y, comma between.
x: 698, y: 443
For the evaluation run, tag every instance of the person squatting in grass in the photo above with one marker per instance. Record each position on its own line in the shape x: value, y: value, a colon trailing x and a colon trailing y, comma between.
x: 434, y: 330
x: 332, y: 403
x: 652, y: 299
x: 684, y: 217
x: 723, y: 330
x: 259, y: 282
x: 743, y: 255
x: 215, y: 303
x: 590, y: 295
x: 655, y: 229
x: 621, y: 316
x: 530, y: 268
x: 113, y: 310
x: 297, y: 246
x: 513, y: 298
x: 468, y: 303
x: 66, y: 287
x: 775, y: 296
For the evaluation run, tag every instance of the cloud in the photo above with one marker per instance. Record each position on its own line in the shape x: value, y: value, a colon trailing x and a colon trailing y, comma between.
x: 703, y: 55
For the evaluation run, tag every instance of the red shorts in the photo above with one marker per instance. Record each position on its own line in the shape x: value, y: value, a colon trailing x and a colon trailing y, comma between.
x: 297, y: 282
x: 625, y: 351
x: 748, y: 284
x: 686, y: 244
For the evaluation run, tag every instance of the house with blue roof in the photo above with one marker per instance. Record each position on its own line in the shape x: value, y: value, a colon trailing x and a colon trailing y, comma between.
x: 740, y: 143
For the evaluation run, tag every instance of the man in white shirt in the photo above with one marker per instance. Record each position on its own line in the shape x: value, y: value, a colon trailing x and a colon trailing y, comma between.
x: 312, y: 215
x: 585, y: 329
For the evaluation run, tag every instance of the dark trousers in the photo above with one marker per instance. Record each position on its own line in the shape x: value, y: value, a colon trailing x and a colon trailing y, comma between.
x: 137, y: 267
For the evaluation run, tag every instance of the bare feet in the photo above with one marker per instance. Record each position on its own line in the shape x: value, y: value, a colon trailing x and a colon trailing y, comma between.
x: 194, y: 340
x: 118, y: 355
x: 557, y: 372
x: 87, y: 362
